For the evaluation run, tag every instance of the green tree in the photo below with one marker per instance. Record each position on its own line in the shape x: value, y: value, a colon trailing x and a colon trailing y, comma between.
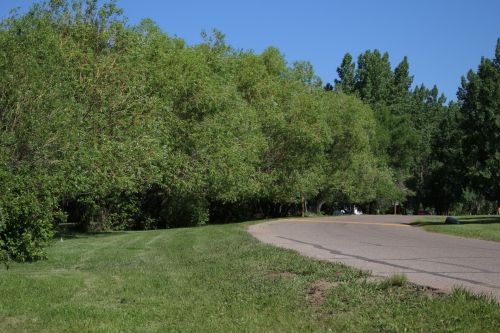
x: 347, y: 75
x: 374, y: 77
x: 479, y: 123
x: 116, y: 126
x: 402, y: 82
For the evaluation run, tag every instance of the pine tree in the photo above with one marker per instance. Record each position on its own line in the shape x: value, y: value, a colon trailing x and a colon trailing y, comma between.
x: 480, y: 123
x: 402, y: 81
x: 346, y: 73
x: 374, y: 77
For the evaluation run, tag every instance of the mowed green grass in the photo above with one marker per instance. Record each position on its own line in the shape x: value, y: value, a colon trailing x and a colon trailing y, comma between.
x: 216, y: 279
x: 485, y: 227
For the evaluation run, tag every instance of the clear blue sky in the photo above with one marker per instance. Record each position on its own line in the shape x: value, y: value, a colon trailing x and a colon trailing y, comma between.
x: 443, y: 39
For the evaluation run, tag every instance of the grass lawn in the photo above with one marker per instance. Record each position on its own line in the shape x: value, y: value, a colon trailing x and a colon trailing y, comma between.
x: 482, y: 227
x: 216, y: 279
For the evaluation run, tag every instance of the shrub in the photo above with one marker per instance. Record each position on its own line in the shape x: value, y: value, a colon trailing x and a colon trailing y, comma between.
x: 472, y: 202
x: 4, y: 256
x: 26, y: 221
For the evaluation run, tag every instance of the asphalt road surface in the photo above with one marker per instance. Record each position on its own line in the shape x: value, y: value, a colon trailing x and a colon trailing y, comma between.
x: 386, y: 244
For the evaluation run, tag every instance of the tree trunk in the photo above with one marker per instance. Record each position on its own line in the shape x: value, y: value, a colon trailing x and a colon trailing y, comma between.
x: 302, y: 205
x: 319, y: 205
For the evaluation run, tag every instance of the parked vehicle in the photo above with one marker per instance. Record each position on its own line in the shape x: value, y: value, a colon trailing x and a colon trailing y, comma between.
x: 357, y: 211
x: 348, y: 210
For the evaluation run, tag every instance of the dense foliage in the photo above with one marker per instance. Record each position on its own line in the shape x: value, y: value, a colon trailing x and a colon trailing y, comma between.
x: 445, y: 157
x: 115, y: 127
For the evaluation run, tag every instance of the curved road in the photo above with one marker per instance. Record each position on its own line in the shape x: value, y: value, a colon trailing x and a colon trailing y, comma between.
x: 386, y: 244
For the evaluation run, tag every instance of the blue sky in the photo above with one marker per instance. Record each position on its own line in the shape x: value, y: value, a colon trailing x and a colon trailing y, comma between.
x: 443, y: 39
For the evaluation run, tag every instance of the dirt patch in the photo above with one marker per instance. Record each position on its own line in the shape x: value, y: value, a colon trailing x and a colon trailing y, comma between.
x: 432, y: 292
x: 318, y: 290
x: 16, y: 323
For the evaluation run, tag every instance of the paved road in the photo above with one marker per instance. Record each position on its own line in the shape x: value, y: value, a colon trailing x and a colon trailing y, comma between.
x: 386, y: 245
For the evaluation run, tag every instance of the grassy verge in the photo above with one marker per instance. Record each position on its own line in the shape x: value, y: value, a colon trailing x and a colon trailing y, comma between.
x: 216, y: 279
x: 485, y: 227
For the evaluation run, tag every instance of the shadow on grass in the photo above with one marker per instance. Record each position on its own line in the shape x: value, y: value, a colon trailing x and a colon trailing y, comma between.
x: 81, y: 235
x: 462, y: 219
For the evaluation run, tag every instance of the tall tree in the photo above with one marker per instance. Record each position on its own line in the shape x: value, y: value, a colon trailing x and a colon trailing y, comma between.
x: 438, y: 176
x: 428, y: 112
x: 479, y: 96
x: 374, y: 77
x: 402, y: 81
x: 347, y: 75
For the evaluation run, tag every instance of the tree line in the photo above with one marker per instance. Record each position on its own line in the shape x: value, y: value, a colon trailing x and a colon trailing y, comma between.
x: 116, y: 127
x: 445, y: 156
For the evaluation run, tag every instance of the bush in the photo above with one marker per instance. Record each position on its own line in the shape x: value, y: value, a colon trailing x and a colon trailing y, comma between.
x: 26, y: 222
x: 472, y: 203
x: 116, y: 211
x: 4, y: 256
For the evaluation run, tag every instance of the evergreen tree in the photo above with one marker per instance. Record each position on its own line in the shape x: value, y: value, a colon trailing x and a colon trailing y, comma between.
x: 347, y: 75
x: 439, y: 175
x: 479, y: 123
x: 402, y: 82
x: 374, y: 77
